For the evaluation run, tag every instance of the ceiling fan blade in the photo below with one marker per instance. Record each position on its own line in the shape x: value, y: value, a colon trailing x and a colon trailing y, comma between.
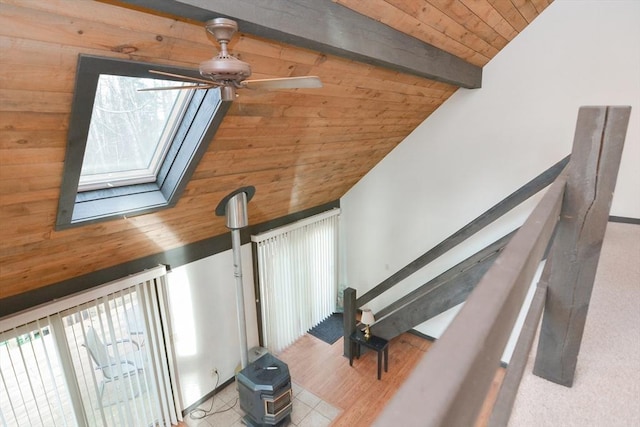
x: 202, y: 86
x: 283, y: 83
x: 180, y: 76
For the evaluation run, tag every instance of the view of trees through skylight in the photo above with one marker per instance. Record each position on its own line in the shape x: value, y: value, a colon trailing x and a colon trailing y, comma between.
x: 130, y: 130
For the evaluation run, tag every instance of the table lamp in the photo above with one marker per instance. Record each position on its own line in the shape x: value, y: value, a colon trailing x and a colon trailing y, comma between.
x: 367, y: 319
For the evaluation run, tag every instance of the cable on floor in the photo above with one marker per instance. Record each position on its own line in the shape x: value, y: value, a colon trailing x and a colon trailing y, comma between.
x: 200, y: 413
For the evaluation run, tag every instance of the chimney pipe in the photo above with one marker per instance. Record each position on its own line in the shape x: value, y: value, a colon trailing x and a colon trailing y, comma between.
x: 234, y: 207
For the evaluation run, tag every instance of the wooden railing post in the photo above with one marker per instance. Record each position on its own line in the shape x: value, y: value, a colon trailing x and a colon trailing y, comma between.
x: 597, y: 150
x: 349, y: 317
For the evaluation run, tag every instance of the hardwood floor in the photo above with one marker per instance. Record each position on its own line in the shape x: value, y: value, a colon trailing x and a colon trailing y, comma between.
x: 321, y: 369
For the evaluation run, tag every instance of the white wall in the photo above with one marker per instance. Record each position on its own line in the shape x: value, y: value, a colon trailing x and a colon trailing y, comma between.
x: 202, y: 303
x: 483, y: 144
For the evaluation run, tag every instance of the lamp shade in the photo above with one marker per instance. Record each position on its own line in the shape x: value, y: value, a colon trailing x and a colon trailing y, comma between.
x: 367, y: 317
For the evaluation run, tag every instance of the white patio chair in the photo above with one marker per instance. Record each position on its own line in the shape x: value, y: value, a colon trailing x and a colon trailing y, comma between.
x: 115, y: 365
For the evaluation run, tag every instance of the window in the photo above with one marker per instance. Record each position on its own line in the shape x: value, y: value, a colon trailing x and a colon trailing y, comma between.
x: 131, y: 152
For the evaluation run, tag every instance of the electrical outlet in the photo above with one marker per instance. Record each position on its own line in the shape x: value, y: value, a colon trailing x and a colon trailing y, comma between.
x: 214, y: 372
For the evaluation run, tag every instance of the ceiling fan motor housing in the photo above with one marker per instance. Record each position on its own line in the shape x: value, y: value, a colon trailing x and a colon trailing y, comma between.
x: 224, y: 67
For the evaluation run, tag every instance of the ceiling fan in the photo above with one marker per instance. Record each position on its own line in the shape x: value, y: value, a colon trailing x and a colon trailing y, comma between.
x: 229, y: 73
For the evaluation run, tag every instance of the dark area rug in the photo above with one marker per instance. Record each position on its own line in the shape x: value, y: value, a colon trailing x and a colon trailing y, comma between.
x: 329, y: 330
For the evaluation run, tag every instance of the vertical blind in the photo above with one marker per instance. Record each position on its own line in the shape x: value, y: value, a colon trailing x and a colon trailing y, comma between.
x: 297, y: 272
x: 96, y: 359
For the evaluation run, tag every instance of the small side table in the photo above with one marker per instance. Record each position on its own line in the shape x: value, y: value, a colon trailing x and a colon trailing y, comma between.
x: 380, y: 345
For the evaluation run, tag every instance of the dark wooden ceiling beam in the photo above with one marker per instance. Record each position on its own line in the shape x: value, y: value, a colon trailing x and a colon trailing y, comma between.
x: 325, y: 26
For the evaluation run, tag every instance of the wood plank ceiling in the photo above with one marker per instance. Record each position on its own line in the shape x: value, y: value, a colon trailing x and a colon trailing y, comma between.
x: 299, y: 148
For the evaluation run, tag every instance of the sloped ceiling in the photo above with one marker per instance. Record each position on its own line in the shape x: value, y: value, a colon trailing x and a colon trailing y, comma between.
x: 299, y: 148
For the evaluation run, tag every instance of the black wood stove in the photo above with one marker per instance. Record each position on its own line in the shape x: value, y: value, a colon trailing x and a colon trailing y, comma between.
x: 264, y: 387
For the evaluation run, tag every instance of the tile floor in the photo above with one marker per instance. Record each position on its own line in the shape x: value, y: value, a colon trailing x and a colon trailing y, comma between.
x: 308, y: 410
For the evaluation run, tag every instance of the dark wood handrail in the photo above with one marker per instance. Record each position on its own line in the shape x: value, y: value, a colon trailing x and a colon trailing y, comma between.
x: 514, y: 199
x: 437, y: 295
x: 450, y: 384
x: 448, y: 275
x: 511, y: 382
x: 351, y: 302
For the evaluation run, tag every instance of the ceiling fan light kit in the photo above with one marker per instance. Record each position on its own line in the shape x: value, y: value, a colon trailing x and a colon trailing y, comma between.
x: 230, y: 73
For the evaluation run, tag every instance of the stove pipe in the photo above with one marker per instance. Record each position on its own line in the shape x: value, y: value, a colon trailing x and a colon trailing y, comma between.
x: 234, y: 207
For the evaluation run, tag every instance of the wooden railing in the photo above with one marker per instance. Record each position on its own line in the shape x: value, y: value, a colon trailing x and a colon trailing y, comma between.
x: 448, y: 387
x: 454, y: 285
x: 517, y: 197
x: 463, y: 362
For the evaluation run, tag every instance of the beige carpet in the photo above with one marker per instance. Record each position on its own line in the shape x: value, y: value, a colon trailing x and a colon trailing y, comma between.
x: 606, y: 390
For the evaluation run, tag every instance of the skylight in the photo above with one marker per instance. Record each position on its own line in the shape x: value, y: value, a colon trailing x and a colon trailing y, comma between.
x: 130, y: 131
x: 131, y: 152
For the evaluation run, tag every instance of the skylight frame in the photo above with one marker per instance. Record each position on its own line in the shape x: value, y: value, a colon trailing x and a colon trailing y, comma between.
x: 202, y: 117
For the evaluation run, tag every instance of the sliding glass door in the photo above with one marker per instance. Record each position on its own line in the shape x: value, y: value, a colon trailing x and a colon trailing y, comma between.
x: 110, y: 360
x: 297, y: 272
x: 33, y: 388
x: 100, y: 361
